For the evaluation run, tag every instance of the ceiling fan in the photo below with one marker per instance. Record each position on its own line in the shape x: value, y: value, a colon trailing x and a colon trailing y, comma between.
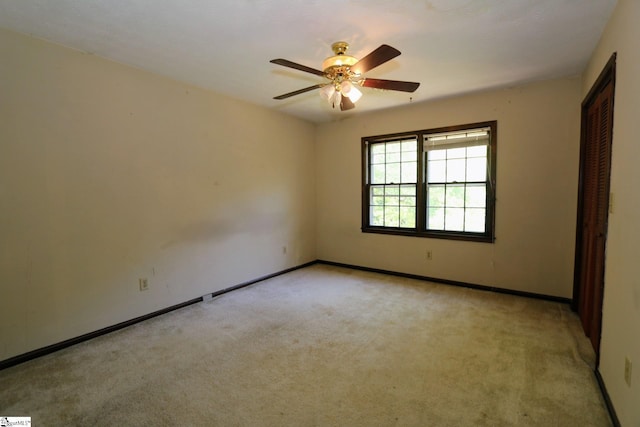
x: 345, y: 72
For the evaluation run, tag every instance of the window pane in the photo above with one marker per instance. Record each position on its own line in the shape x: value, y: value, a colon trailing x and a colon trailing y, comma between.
x: 476, y: 196
x: 393, y: 147
x: 393, y: 173
x: 437, y: 154
x: 436, y: 196
x: 410, y: 145
x: 391, y: 216
x: 455, y: 196
x: 377, y: 191
x: 377, y: 149
x: 377, y: 158
x: 377, y: 216
x: 408, y: 190
x: 410, y: 172
x: 407, y: 217
x: 393, y: 157
x: 474, y: 220
x: 454, y: 219
x: 377, y: 200
x: 409, y: 156
x: 456, y: 153
x: 378, y: 174
x: 477, y: 169
x: 456, y: 170
x: 407, y: 201
x: 391, y: 200
x: 477, y: 151
x: 435, y: 221
x: 392, y: 190
x: 436, y: 170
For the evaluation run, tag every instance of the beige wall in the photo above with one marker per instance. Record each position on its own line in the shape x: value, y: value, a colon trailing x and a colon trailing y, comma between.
x: 537, y: 170
x: 621, y: 311
x: 109, y: 174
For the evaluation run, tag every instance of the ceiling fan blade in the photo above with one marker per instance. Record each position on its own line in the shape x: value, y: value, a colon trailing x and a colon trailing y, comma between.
x: 286, y: 63
x: 391, y: 85
x: 346, y: 103
x: 378, y: 57
x: 299, y: 91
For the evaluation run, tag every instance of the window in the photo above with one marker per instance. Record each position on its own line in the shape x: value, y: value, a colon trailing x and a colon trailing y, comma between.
x: 394, y: 178
x: 431, y: 183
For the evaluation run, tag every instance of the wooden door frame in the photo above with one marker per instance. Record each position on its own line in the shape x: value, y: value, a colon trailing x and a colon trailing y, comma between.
x: 607, y: 76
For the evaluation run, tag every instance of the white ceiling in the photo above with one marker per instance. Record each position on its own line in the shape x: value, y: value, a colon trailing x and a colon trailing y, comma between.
x: 450, y: 46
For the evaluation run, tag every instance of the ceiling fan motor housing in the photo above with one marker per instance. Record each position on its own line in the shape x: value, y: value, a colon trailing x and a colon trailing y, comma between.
x: 338, y: 66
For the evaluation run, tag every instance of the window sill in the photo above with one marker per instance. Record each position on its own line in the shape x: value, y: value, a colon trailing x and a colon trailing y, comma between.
x: 449, y: 235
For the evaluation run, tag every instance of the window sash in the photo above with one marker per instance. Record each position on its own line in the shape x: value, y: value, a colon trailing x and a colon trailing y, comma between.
x: 393, y: 205
x: 393, y: 161
x: 449, y: 200
x: 448, y: 210
x: 392, y: 185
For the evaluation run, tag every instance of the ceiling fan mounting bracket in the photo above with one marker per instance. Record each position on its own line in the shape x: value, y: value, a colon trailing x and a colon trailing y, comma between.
x: 340, y: 48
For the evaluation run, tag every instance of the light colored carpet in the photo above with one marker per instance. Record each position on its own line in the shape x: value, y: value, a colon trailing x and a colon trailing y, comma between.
x: 325, y: 346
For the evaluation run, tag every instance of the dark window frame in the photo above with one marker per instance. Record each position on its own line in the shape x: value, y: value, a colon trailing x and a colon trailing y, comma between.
x: 421, y: 186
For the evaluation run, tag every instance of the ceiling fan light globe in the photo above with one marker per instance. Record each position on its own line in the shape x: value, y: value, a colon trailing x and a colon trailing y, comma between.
x: 348, y: 89
x: 335, y: 99
x: 345, y: 87
x: 354, y: 94
x: 327, y: 92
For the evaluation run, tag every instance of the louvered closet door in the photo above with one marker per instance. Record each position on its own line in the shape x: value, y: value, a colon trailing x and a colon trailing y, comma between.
x: 596, y: 204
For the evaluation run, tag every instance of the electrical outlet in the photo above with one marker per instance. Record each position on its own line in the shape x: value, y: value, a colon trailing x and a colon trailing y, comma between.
x: 627, y: 371
x: 144, y: 284
x: 429, y: 255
